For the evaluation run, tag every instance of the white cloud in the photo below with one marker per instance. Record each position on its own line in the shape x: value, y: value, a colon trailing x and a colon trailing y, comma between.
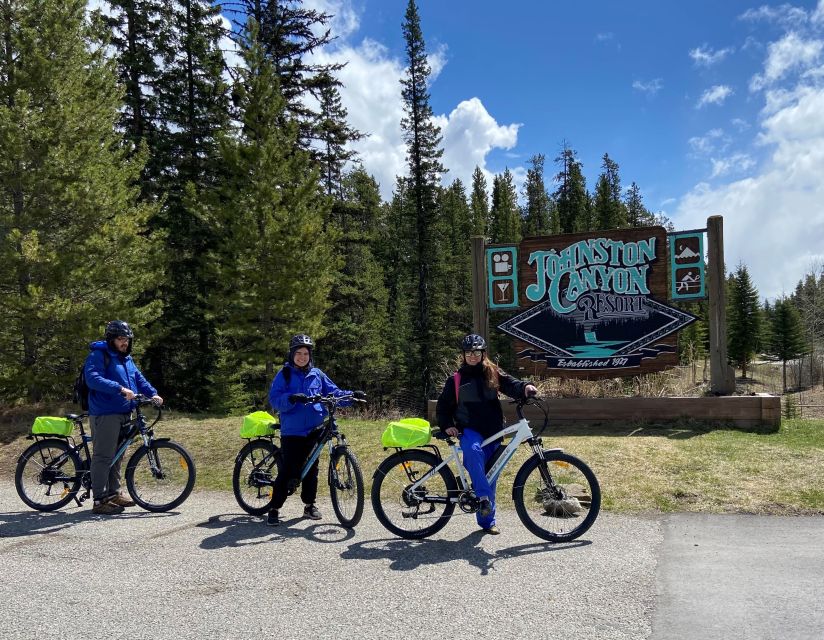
x: 736, y: 163
x: 371, y: 93
x: 704, y: 56
x: 650, y: 87
x: 741, y: 125
x: 785, y: 15
x: 714, y: 141
x: 714, y: 95
x: 345, y: 20
x: 773, y: 219
x: 817, y: 17
x: 790, y: 53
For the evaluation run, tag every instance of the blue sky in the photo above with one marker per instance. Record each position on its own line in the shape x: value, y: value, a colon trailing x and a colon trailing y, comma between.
x: 711, y: 107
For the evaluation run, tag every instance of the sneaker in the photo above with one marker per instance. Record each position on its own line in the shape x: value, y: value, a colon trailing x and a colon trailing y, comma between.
x: 107, y: 508
x: 121, y: 501
x: 311, y: 512
x: 485, y: 508
x: 493, y: 530
x: 272, y: 519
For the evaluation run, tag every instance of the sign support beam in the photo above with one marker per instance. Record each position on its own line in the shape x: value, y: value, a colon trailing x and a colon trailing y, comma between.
x: 480, y: 313
x: 722, y: 376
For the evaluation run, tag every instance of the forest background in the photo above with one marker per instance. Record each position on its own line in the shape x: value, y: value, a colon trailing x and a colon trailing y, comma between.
x: 221, y: 209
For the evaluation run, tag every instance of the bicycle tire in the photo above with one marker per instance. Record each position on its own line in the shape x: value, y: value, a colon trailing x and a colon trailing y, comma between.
x: 155, y: 493
x: 255, y: 498
x: 346, y: 484
x: 565, y: 508
x: 394, y: 506
x: 44, y: 476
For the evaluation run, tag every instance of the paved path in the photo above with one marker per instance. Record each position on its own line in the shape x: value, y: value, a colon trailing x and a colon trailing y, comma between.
x: 195, y: 574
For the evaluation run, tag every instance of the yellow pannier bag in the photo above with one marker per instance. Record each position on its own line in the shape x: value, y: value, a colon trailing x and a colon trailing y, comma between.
x: 259, y: 423
x: 408, y: 432
x: 51, y: 426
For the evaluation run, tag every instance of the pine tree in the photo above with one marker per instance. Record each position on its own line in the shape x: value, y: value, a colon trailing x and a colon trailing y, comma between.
x: 334, y: 135
x: 275, y: 260
x: 571, y: 197
x: 455, y: 268
x: 505, y: 215
x: 744, y: 319
x: 608, y: 210
x: 637, y: 214
x: 423, y: 140
x: 538, y: 209
x: 787, y: 335
x: 134, y: 30
x: 479, y: 204
x: 74, y: 248
x: 355, y: 348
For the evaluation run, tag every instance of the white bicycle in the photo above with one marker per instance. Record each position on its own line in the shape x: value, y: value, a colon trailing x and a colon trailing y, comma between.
x: 556, y: 495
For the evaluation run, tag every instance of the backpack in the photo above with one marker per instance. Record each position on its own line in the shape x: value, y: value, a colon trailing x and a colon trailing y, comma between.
x: 80, y: 393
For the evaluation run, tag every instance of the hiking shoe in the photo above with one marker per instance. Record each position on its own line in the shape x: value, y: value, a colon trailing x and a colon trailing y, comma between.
x: 272, y: 519
x: 121, y: 501
x: 485, y: 508
x: 107, y: 508
x: 312, y: 512
x: 493, y: 530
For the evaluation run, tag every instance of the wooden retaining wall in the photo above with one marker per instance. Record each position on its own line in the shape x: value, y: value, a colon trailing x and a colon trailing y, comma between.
x: 762, y: 410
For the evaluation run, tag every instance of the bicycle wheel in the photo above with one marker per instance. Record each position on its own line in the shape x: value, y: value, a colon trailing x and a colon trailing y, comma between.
x: 557, y: 498
x: 48, y: 475
x: 256, y: 468
x: 346, y: 486
x: 161, y: 477
x: 411, y: 514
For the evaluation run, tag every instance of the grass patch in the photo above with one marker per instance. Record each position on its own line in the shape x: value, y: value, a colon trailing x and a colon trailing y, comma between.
x: 641, y: 469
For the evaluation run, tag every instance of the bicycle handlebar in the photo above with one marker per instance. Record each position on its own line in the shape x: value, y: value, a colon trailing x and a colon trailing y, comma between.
x: 329, y: 400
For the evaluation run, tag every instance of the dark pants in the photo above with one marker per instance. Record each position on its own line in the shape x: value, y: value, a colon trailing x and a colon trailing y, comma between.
x: 105, y: 438
x: 295, y: 451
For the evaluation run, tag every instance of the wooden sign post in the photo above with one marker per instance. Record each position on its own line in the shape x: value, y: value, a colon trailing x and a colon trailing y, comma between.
x: 722, y: 376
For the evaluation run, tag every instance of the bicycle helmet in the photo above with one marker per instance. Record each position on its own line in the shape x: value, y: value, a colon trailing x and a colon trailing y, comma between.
x: 473, y: 341
x: 301, y: 340
x: 118, y: 329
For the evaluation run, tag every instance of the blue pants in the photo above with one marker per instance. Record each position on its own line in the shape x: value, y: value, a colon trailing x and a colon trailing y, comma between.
x: 475, y: 458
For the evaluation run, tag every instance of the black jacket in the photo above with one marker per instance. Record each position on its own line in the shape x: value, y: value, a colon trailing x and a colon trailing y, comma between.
x: 478, y: 407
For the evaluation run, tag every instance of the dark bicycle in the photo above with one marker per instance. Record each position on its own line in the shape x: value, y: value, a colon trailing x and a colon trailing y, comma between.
x: 258, y: 463
x: 56, y: 469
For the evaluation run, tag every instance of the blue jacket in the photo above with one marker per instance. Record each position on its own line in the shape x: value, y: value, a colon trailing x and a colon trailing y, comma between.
x: 299, y: 419
x: 105, y: 382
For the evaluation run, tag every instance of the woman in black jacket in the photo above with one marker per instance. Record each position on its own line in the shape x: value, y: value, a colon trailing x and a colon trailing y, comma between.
x: 468, y: 407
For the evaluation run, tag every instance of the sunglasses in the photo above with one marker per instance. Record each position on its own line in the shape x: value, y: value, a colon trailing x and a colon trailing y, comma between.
x: 476, y: 352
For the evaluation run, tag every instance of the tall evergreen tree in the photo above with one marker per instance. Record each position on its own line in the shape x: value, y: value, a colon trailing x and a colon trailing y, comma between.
x: 608, y: 209
x: 571, y: 197
x: 744, y: 319
x: 505, y: 215
x: 423, y: 146
x: 787, y: 335
x: 134, y: 30
x: 538, y: 209
x: 455, y: 271
x: 275, y: 260
x: 74, y: 249
x: 355, y: 348
x: 334, y: 136
x: 637, y: 214
x: 479, y: 204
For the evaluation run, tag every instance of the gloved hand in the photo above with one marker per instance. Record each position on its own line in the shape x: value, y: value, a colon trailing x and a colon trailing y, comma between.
x: 298, y: 397
x: 359, y: 395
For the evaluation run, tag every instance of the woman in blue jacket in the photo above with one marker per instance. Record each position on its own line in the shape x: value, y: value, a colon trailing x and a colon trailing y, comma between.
x: 298, y: 424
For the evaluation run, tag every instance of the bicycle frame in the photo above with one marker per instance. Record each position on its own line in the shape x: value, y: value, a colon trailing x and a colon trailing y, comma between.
x: 520, y: 431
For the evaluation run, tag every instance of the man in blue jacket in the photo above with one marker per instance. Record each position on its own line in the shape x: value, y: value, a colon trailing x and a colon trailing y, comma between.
x: 298, y: 423
x: 113, y: 380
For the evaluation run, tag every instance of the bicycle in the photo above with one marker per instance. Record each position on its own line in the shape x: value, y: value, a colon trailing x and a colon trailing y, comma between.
x: 556, y: 495
x: 259, y: 462
x: 50, y: 473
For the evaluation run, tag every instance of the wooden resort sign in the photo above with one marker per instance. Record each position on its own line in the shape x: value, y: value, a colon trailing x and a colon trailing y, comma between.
x: 589, y: 304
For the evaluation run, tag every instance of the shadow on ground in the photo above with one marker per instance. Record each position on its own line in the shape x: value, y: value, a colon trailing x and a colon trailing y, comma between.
x: 407, y: 555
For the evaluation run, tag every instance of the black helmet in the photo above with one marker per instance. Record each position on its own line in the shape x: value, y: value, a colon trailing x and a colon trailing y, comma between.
x: 119, y: 329
x: 301, y: 340
x: 473, y: 341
